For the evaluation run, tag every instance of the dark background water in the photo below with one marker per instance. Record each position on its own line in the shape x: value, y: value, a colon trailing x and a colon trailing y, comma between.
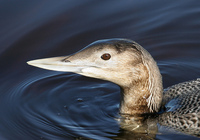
x: 40, y: 104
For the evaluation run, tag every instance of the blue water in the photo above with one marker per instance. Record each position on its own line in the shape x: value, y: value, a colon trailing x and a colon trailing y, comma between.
x: 40, y: 104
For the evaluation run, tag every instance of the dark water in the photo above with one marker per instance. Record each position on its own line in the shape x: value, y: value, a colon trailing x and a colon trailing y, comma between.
x: 39, y: 104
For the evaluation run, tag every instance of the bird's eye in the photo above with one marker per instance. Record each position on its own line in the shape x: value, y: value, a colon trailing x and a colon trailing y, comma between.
x: 106, y: 56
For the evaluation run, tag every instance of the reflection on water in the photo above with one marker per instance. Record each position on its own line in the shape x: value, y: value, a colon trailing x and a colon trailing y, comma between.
x: 39, y: 104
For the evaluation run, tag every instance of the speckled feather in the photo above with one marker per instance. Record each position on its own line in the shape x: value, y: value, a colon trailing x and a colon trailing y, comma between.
x: 182, y: 105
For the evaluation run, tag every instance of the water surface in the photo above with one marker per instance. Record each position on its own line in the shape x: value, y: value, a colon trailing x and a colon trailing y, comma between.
x: 40, y: 104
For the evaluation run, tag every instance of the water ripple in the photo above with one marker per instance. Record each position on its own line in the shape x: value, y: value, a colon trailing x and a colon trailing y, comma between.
x: 49, y: 104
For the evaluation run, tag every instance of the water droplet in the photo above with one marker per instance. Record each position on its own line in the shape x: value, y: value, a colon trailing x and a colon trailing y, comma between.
x: 58, y: 114
x: 65, y: 106
x: 80, y: 100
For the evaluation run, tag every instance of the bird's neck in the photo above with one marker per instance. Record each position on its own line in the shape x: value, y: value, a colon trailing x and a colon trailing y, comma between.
x: 143, y: 95
x: 134, y: 100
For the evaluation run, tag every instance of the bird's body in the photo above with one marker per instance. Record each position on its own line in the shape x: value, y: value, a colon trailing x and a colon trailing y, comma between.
x: 129, y: 65
x: 182, y: 107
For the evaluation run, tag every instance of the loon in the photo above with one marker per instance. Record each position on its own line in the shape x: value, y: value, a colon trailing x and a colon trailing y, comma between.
x: 127, y: 64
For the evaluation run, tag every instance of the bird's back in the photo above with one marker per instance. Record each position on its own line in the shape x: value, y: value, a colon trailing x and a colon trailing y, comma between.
x: 181, y: 103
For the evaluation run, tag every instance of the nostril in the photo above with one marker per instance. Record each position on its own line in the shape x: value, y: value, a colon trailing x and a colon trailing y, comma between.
x: 65, y: 60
